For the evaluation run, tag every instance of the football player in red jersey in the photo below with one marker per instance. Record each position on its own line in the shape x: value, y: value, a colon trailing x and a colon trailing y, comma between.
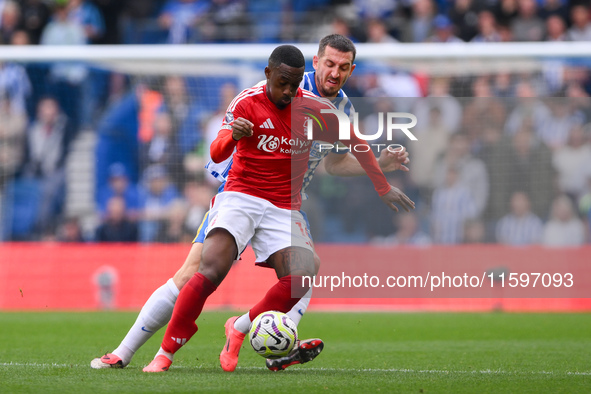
x: 334, y: 63
x: 259, y: 205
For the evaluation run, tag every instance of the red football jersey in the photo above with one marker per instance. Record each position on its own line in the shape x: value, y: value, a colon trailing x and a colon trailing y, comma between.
x: 272, y: 162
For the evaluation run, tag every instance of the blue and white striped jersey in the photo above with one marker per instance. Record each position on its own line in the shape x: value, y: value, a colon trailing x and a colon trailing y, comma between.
x: 220, y: 170
x: 519, y: 231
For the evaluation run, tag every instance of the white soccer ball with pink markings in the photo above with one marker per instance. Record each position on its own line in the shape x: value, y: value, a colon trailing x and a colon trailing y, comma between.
x: 273, y: 334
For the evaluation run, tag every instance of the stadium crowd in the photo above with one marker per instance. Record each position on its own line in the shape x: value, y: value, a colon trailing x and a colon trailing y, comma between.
x: 221, y: 21
x: 510, y: 164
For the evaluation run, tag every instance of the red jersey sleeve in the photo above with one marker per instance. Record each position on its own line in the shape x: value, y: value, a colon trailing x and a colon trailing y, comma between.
x: 223, y: 146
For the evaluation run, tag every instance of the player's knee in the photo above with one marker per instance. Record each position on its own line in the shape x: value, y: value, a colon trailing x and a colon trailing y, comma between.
x: 189, y: 268
x: 181, y: 278
x: 219, y: 251
x: 213, y: 269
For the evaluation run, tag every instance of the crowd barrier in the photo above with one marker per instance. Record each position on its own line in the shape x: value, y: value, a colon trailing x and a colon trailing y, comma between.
x: 52, y: 276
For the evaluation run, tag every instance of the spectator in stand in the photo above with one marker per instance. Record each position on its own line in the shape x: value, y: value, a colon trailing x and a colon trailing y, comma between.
x: 47, y: 146
x: 527, y: 26
x: 15, y: 86
x: 506, y: 33
x: 564, y: 117
x: 10, y: 21
x: 425, y: 156
x: 116, y: 226
x: 521, y: 227
x: 377, y: 33
x: 66, y: 79
x: 340, y: 26
x: 419, y: 26
x: 564, y: 229
x: 162, y: 149
x: 495, y: 153
x: 375, y: 9
x: 35, y: 15
x: 156, y: 197
x: 529, y: 111
x: 463, y: 14
x: 531, y: 170
x: 198, y: 195
x: 118, y: 138
x: 443, y: 31
x: 506, y: 11
x: 226, y: 22
x: 179, y: 17
x: 20, y: 37
x: 70, y: 231
x: 439, y: 96
x: 64, y: 29
x: 484, y: 108
x: 551, y: 8
x: 581, y: 25
x: 452, y: 205
x: 61, y: 30
x: 474, y: 231
x: 472, y: 173
x: 119, y: 185
x: 556, y: 29
x: 573, y: 163
x: 407, y: 233
x: 13, y: 126
x: 174, y: 228
x: 111, y: 12
x: 487, y: 28
x: 88, y: 17
x: 184, y: 113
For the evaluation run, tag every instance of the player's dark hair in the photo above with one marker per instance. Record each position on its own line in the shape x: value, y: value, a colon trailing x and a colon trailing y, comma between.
x: 288, y: 55
x: 338, y: 42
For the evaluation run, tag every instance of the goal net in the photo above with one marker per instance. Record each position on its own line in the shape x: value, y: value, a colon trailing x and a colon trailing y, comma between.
x: 509, y: 121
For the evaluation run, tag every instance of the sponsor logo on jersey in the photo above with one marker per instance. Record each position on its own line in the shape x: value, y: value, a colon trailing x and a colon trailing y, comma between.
x: 294, y: 146
x: 268, y: 143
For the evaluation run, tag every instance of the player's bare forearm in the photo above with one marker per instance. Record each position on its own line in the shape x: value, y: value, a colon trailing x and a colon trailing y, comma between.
x: 347, y: 165
x: 370, y: 165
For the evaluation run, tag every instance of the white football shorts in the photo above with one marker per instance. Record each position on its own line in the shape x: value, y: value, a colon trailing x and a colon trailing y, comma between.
x: 267, y: 227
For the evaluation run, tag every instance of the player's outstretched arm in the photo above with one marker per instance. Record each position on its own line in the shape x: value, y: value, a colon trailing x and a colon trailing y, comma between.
x: 388, y: 193
x: 347, y: 165
x: 396, y: 195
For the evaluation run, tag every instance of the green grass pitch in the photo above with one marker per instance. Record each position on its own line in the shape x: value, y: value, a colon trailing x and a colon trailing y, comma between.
x: 365, y: 352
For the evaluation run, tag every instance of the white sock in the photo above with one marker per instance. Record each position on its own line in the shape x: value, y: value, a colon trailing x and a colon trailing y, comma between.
x: 170, y: 356
x: 242, y: 324
x: 297, y: 312
x: 154, y: 315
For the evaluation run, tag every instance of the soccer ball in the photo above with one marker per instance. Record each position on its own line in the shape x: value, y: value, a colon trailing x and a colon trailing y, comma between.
x: 273, y: 334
